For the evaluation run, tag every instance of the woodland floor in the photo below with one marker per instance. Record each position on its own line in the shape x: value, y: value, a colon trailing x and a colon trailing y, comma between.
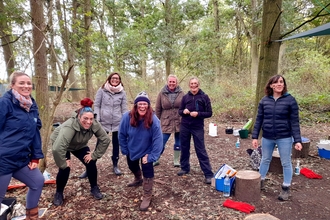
x: 188, y: 197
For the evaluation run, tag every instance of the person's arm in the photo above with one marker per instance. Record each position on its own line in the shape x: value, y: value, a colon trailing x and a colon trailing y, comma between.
x: 103, y: 140
x: 124, y: 104
x: 61, y: 143
x: 98, y: 103
x: 182, y: 107
x: 259, y: 121
x: 207, y: 110
x: 123, y: 134
x: 294, y: 121
x: 158, y: 107
x: 157, y: 140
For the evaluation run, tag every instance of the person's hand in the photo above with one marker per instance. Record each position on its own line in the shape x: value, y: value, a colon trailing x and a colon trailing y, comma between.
x: 193, y: 114
x: 145, y: 159
x: 32, y: 165
x: 88, y: 157
x: 255, y: 143
x: 186, y: 111
x: 298, y: 146
x: 68, y: 162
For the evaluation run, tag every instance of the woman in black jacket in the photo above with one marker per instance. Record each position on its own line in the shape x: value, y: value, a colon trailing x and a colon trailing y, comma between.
x: 278, y: 117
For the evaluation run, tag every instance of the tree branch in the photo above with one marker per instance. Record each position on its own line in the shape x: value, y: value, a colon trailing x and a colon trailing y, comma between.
x: 11, y: 42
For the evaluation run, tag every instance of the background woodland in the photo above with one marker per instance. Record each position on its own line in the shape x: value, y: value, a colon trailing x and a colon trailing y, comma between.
x: 228, y: 44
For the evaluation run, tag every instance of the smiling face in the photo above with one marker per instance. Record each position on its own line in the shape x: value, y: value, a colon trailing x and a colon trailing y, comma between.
x: 86, y: 119
x: 278, y: 87
x: 172, y: 83
x: 23, y: 85
x: 142, y: 107
x: 114, y: 80
x: 194, y: 86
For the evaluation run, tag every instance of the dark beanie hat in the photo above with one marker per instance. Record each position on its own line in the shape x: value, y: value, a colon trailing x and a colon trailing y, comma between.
x: 142, y: 96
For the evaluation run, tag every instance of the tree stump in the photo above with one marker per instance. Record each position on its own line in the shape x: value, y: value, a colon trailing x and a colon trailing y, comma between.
x: 275, y: 165
x: 260, y: 216
x: 304, y: 151
x: 247, y: 187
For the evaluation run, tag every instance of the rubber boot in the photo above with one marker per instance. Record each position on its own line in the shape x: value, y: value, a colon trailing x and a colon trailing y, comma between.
x: 32, y: 214
x: 147, y: 193
x: 177, y: 154
x: 156, y: 163
x: 116, y: 170
x: 137, y: 180
x: 285, y: 193
x: 83, y: 175
x: 262, y: 185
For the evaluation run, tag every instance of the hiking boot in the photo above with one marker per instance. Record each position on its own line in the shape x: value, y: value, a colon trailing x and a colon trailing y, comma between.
x: 95, y: 192
x: 182, y: 172
x: 147, y: 193
x: 262, y: 185
x: 137, y: 180
x: 32, y: 214
x: 83, y: 175
x: 58, y: 199
x: 156, y: 163
x: 208, y: 180
x: 285, y: 193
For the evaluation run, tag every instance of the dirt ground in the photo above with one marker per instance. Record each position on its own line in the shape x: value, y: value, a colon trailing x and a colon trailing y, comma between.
x: 188, y: 197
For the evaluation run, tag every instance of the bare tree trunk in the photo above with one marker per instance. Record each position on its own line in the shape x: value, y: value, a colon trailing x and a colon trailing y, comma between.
x: 168, y: 24
x: 40, y: 68
x: 254, y: 42
x: 5, y: 42
x: 88, y: 52
x: 52, y: 58
x: 269, y: 51
x: 218, y: 50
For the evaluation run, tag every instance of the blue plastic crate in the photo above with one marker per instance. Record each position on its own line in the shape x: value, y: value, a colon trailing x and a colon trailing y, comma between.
x: 324, y: 153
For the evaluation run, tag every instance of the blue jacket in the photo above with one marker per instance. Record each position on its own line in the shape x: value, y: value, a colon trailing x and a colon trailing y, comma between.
x: 200, y: 103
x: 139, y: 141
x: 278, y: 119
x: 20, y: 140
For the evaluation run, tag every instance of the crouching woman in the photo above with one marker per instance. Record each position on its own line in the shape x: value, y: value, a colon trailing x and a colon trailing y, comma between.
x: 72, y: 137
x: 140, y: 139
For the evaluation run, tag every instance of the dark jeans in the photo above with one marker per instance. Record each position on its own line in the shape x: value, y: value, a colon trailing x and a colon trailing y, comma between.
x: 134, y: 166
x: 115, y: 146
x: 198, y: 137
x: 63, y: 175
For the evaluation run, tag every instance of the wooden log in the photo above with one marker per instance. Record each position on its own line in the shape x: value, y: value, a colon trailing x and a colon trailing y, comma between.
x: 275, y: 165
x: 304, y: 151
x: 247, y: 186
x: 260, y: 216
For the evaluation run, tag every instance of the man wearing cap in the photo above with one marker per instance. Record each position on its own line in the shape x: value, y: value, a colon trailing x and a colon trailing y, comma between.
x: 140, y: 139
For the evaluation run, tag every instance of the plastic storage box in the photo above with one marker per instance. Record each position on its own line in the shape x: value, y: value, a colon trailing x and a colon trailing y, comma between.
x: 324, y: 153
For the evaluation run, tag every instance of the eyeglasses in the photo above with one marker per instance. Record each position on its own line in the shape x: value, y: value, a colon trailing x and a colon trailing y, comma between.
x: 116, y: 78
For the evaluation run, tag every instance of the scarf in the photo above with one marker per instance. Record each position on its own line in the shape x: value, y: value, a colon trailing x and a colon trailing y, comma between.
x: 24, y: 102
x: 113, y: 89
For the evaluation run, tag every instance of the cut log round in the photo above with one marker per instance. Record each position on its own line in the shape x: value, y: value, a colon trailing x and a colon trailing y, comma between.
x: 304, y: 151
x: 275, y: 165
x: 260, y: 216
x: 247, y: 188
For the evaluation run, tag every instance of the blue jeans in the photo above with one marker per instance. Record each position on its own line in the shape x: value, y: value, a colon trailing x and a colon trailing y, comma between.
x: 284, y: 147
x: 31, y: 178
x: 177, y: 144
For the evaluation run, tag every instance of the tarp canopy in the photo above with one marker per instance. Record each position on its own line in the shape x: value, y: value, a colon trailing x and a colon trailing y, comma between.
x: 318, y: 31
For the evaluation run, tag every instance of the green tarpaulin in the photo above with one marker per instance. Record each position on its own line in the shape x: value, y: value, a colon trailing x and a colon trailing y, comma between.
x: 318, y: 31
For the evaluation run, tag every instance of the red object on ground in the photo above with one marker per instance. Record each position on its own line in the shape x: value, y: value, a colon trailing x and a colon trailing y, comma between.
x: 240, y: 206
x: 310, y: 174
x: 21, y: 185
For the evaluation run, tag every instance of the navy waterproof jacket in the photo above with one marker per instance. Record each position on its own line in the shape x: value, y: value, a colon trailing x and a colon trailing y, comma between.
x: 20, y: 140
x: 200, y: 103
x: 278, y: 119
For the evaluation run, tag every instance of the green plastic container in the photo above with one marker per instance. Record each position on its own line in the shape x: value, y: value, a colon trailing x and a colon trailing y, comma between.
x: 243, y: 133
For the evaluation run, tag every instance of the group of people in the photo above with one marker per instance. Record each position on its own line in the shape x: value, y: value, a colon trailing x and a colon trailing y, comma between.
x: 140, y: 133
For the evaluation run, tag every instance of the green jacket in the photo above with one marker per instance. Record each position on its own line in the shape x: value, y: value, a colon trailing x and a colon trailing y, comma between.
x: 71, y: 136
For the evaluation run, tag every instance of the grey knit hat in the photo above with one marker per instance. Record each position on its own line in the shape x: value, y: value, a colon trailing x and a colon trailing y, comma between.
x: 142, y: 96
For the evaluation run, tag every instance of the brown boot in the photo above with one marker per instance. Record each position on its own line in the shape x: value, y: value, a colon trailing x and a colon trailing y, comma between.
x: 147, y: 193
x: 32, y: 214
x: 137, y: 180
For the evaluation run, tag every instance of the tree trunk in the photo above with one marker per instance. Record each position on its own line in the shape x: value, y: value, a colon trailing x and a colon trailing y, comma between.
x: 254, y: 41
x: 168, y: 24
x: 5, y: 42
x: 218, y: 50
x: 40, y: 68
x: 269, y: 51
x: 88, y: 52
